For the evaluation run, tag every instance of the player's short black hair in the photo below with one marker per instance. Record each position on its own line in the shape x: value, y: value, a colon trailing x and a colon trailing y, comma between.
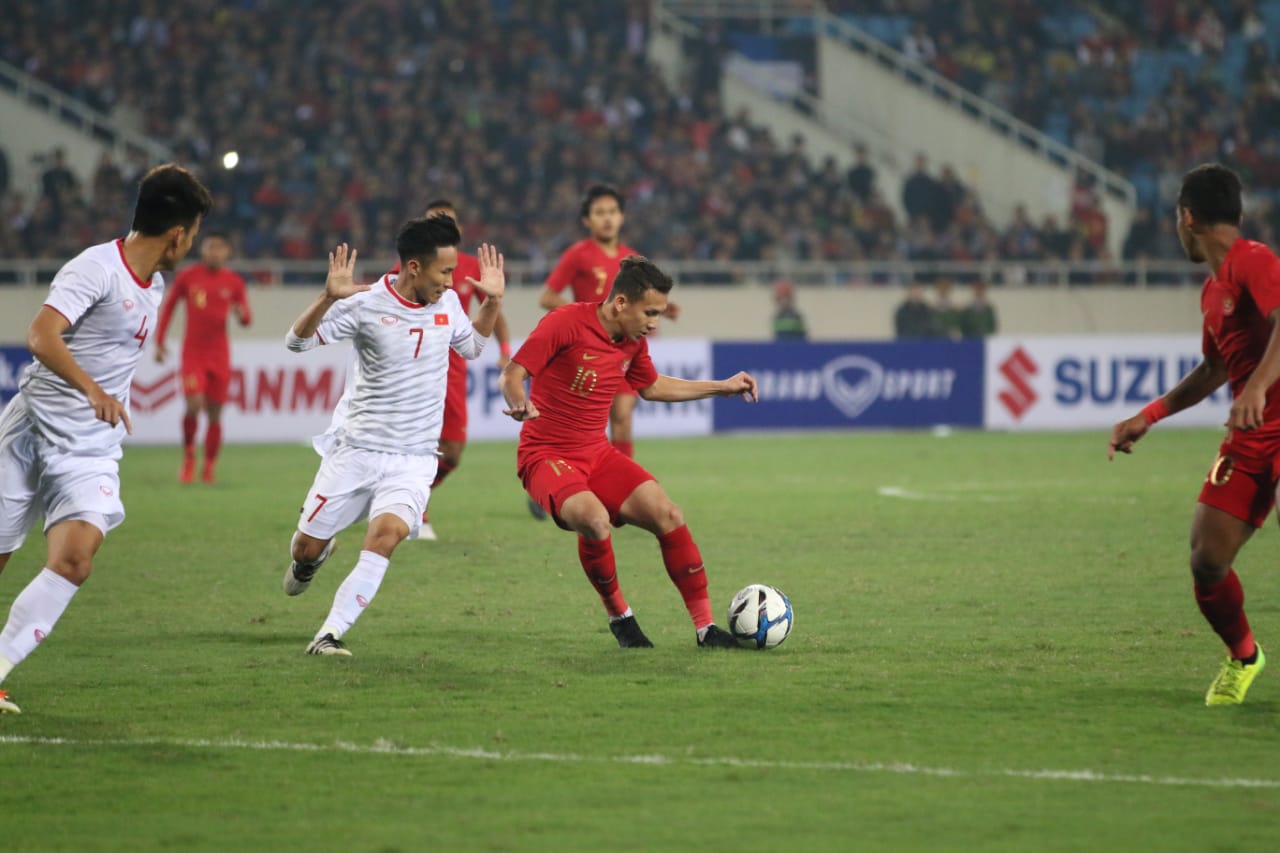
x: 1212, y: 193
x: 169, y: 196
x: 599, y: 191
x: 421, y: 238
x: 636, y: 274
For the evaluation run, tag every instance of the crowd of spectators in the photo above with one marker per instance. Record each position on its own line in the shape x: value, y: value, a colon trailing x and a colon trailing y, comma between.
x: 1145, y: 87
x: 345, y: 117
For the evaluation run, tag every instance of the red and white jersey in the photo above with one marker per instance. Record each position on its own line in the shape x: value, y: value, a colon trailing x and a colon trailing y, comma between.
x: 112, y: 312
x: 395, y: 399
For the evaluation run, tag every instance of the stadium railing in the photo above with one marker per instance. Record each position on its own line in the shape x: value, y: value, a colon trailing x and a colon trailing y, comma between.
x: 78, y: 114
x: 1009, y: 274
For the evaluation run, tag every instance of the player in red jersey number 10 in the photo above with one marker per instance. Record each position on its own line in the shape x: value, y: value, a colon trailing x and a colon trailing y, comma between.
x: 580, y: 357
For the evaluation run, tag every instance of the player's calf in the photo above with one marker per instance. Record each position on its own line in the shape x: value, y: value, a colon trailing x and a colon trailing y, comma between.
x: 309, y: 555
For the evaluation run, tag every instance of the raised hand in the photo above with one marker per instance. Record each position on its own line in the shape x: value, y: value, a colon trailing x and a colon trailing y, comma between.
x: 493, y: 276
x: 740, y: 384
x: 341, y: 282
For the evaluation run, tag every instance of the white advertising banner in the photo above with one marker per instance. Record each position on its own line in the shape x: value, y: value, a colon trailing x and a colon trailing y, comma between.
x: 1090, y: 382
x: 279, y: 396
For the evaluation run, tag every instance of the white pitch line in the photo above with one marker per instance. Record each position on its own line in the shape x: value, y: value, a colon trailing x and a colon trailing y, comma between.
x: 384, y: 747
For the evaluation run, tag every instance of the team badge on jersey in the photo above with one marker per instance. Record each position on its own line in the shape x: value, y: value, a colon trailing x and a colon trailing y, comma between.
x: 1228, y: 305
x: 128, y: 304
x: 442, y: 319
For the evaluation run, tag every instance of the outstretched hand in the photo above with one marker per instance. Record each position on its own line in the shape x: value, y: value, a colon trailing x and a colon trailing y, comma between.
x: 740, y: 384
x: 526, y: 411
x: 1126, y: 433
x: 493, y: 277
x: 341, y: 282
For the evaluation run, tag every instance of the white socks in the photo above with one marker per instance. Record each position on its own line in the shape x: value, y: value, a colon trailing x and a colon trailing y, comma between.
x: 353, y: 596
x: 34, y: 613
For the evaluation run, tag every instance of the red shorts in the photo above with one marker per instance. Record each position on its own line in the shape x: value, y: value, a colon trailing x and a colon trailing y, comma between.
x: 1242, y: 481
x: 207, y: 379
x: 551, y: 478
x: 455, y: 401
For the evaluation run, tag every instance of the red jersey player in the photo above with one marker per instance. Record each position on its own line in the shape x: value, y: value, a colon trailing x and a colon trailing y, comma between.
x: 1241, y: 307
x: 453, y: 435
x: 210, y: 291
x: 580, y: 356
x: 588, y: 268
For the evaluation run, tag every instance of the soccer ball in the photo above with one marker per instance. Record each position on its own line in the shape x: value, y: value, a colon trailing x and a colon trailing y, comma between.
x: 760, y: 617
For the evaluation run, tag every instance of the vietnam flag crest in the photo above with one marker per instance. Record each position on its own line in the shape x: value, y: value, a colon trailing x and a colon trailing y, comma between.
x: 442, y: 319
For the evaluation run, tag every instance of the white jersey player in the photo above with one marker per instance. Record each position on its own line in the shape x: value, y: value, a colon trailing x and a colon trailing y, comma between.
x: 379, y: 460
x: 60, y: 436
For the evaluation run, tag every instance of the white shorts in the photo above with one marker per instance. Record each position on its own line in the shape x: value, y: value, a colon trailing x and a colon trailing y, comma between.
x: 36, y: 479
x: 354, y: 483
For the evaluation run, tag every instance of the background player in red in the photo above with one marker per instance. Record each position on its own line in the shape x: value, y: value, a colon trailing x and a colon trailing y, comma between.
x: 210, y: 291
x: 453, y: 435
x: 587, y: 269
x: 580, y: 356
x: 1241, y: 342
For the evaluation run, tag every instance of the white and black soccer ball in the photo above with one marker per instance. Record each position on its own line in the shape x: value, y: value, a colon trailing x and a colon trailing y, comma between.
x: 760, y: 617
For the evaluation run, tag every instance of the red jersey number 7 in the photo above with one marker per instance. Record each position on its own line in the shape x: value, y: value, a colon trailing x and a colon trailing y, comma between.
x: 418, y: 348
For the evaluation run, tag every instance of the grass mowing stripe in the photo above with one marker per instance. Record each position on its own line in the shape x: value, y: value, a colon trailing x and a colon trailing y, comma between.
x: 382, y: 747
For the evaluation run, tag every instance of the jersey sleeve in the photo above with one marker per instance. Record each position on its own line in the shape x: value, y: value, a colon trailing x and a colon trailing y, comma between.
x: 549, y: 337
x: 1208, y: 346
x: 242, y: 301
x: 642, y: 373
x: 465, y: 340
x: 565, y: 269
x: 1262, y: 279
x: 341, y: 322
x: 177, y: 292
x: 76, y: 289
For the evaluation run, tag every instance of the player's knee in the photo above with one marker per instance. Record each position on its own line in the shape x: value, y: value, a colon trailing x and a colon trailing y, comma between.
x: 595, y: 527
x: 1207, y: 568
x: 670, y: 517
x: 74, y: 564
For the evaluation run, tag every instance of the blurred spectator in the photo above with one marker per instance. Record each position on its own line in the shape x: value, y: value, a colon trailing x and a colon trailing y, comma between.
x: 4, y: 172
x: 922, y: 195
x: 914, y: 318
x: 978, y: 318
x: 57, y: 181
x: 862, y: 175
x: 788, y: 323
x: 946, y: 317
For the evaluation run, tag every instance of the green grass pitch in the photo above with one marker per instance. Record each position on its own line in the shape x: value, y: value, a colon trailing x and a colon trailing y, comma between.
x: 995, y: 649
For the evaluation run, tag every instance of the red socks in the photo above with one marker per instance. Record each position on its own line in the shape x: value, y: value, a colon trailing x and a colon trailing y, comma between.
x: 444, y: 469
x: 189, y: 425
x: 684, y: 567
x: 626, y: 448
x: 1223, y: 606
x: 212, y: 443
x: 598, y: 562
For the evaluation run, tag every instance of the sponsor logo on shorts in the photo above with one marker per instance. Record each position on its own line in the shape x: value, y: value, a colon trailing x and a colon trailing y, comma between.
x: 388, y: 320
x: 106, y: 490
x: 40, y: 635
x: 362, y: 601
x: 1221, y: 471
